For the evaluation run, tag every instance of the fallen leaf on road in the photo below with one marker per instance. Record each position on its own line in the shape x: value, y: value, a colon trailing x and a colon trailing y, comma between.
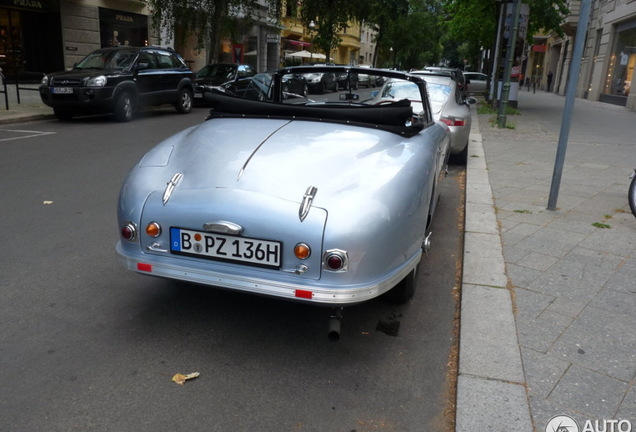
x: 181, y: 379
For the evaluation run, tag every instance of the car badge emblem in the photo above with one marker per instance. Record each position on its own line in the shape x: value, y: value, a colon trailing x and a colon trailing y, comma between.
x: 305, y: 205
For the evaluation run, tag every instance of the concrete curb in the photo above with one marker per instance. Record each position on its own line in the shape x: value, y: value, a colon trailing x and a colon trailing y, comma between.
x: 491, y: 393
x: 20, y: 118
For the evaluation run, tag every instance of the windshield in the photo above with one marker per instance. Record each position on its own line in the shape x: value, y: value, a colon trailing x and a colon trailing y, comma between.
x: 438, y: 92
x: 398, y: 89
x: 218, y: 71
x: 116, y: 59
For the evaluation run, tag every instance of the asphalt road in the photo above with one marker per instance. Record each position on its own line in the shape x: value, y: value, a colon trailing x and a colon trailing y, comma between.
x: 88, y: 346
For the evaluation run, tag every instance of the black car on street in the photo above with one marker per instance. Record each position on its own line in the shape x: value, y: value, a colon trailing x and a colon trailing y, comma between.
x: 233, y: 77
x: 120, y: 80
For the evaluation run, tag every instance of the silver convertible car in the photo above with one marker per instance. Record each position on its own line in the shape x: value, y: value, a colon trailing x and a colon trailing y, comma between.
x: 320, y: 202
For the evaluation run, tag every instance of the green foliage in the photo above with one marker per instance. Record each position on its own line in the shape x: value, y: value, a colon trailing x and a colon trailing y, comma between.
x: 331, y: 17
x: 487, y: 109
x: 476, y: 21
x: 601, y: 225
x: 415, y: 35
x: 209, y: 20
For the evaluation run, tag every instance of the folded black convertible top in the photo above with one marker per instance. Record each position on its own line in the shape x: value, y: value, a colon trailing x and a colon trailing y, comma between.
x: 391, y: 118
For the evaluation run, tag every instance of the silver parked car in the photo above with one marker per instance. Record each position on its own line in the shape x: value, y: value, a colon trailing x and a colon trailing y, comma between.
x: 477, y: 83
x: 319, y: 202
x: 450, y: 106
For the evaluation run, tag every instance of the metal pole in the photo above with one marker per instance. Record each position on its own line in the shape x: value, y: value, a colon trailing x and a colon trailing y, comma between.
x: 494, y: 79
x: 510, y: 56
x: 573, y: 79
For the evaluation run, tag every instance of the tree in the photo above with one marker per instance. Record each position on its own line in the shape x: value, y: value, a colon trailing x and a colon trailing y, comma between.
x: 476, y: 21
x: 379, y: 14
x: 331, y: 17
x: 209, y: 20
x: 416, y: 36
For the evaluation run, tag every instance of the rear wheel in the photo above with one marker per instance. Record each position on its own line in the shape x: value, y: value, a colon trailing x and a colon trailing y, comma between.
x: 462, y: 157
x: 184, y: 105
x: 405, y: 290
x: 305, y: 90
x: 124, y: 108
x: 632, y: 195
x: 63, y: 114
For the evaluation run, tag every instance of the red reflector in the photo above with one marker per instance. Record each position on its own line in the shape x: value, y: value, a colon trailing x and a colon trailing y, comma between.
x: 304, y: 294
x: 144, y: 267
x: 453, y: 122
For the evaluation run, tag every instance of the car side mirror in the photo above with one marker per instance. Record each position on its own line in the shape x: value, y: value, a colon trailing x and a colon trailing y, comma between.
x: 142, y: 66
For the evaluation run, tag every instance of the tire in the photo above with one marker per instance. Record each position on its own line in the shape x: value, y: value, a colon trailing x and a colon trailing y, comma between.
x: 63, y: 114
x: 323, y: 88
x: 124, y: 107
x: 184, y: 106
x: 462, y: 157
x: 305, y: 90
x: 355, y: 87
x: 632, y: 195
x: 405, y: 290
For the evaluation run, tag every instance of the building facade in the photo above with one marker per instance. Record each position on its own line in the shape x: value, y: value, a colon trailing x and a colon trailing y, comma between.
x: 43, y: 36
x: 297, y: 40
x: 610, y: 53
x: 609, y: 57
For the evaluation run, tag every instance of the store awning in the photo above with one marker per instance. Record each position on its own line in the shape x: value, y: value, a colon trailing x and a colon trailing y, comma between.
x: 295, y: 42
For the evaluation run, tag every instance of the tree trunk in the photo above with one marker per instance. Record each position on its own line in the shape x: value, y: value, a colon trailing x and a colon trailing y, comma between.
x: 216, y: 33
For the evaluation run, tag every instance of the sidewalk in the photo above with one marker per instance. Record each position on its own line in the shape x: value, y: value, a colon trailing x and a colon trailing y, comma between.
x: 547, y: 324
x: 29, y: 108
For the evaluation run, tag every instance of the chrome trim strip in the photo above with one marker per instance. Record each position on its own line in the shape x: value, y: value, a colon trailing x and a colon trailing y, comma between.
x: 170, y: 187
x: 223, y: 227
x: 249, y: 158
x: 305, y: 205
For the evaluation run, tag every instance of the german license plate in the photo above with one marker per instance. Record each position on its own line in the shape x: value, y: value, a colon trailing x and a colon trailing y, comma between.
x: 62, y: 90
x: 198, y: 95
x: 264, y: 253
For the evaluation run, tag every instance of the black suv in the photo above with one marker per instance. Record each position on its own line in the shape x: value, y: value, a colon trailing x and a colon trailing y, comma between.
x: 120, y: 80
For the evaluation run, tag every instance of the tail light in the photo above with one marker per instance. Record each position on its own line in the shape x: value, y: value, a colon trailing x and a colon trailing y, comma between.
x: 453, y: 121
x: 336, y: 260
x: 129, y: 231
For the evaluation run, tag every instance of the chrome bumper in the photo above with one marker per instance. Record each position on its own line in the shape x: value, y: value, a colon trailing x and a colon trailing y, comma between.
x: 309, y: 293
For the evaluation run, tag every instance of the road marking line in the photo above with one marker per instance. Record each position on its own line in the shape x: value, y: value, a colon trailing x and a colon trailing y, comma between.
x: 33, y: 134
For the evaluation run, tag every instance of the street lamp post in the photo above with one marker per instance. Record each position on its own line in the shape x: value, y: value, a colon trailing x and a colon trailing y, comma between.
x: 312, y: 27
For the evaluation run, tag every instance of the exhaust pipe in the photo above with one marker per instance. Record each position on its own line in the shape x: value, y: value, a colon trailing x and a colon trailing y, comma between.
x: 334, y: 326
x: 427, y: 243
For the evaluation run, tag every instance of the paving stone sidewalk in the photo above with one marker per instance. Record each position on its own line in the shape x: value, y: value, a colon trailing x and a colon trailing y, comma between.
x: 573, y: 270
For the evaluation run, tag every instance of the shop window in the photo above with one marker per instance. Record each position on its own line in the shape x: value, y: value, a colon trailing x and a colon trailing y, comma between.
x: 621, y: 64
x: 11, y: 59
